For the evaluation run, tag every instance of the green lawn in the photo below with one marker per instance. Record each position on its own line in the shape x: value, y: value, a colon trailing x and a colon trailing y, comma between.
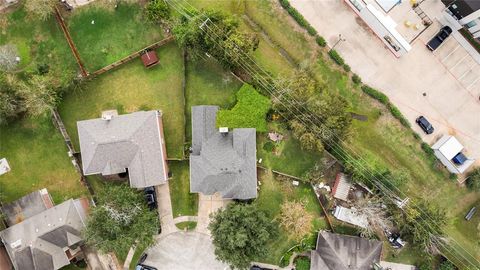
x: 38, y: 43
x: 208, y: 84
x: 188, y: 225
x: 38, y: 159
x: 270, y: 198
x: 281, y: 158
x: 131, y: 88
x: 184, y: 203
x: 115, y: 33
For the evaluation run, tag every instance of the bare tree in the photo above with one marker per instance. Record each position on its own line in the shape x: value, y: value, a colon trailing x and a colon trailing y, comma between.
x: 376, y: 213
x: 40, y: 8
x: 296, y: 219
x: 8, y: 57
x: 38, y: 95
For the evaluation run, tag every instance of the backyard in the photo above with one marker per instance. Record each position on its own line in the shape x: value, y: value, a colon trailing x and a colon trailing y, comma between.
x: 38, y: 159
x: 130, y: 88
x: 104, y: 35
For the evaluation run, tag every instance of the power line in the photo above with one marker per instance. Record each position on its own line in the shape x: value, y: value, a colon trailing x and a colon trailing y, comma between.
x: 268, y: 85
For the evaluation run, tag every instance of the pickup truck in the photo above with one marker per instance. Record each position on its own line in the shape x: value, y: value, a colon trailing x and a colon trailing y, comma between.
x: 439, y: 38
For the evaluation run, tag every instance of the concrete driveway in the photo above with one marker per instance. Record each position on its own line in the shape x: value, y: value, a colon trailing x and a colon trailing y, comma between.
x: 208, y: 204
x: 452, y: 95
x: 184, y: 251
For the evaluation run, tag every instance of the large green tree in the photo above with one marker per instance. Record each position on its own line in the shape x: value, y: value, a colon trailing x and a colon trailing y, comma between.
x: 120, y: 220
x: 240, y: 233
x: 473, y: 180
x: 216, y: 34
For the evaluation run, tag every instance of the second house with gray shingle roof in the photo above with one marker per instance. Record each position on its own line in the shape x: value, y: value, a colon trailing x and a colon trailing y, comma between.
x: 132, y: 143
x: 222, y: 161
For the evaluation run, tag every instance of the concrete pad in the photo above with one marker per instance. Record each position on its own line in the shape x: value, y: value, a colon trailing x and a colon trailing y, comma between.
x: 184, y: 251
x: 449, y: 105
x: 208, y: 204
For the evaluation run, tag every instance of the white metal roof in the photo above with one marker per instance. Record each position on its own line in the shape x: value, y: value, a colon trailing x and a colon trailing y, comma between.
x: 449, y: 146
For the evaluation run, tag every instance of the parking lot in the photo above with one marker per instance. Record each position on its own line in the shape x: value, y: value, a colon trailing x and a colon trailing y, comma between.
x: 443, y: 86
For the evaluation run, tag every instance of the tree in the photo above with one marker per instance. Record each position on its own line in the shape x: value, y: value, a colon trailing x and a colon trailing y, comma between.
x: 40, y: 8
x: 308, y: 140
x: 38, y: 95
x: 8, y: 57
x: 375, y: 212
x: 120, y: 219
x: 10, y: 106
x: 295, y: 218
x: 421, y: 223
x: 447, y: 265
x: 240, y: 233
x: 218, y: 37
x: 157, y: 11
x: 473, y: 180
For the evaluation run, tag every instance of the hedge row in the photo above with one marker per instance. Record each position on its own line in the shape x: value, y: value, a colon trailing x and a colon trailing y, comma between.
x: 336, y: 57
x: 298, y: 17
x: 382, y: 98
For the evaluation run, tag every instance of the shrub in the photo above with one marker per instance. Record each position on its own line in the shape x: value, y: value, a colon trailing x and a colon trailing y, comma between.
x: 302, y: 263
x: 397, y: 114
x: 375, y: 94
x: 157, y: 10
x: 298, y: 17
x: 268, y: 146
x: 416, y: 135
x: 426, y: 148
x: 336, y: 57
x: 346, y: 68
x: 320, y: 41
x: 356, y: 79
x: 473, y: 180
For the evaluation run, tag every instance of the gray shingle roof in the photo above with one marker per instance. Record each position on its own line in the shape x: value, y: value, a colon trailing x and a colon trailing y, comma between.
x: 134, y: 141
x: 38, y: 243
x: 23, y: 208
x: 224, y: 163
x: 344, y: 252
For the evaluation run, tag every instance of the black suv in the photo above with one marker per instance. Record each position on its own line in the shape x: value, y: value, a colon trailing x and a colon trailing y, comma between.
x: 425, y: 125
x: 439, y: 38
x: 150, y: 197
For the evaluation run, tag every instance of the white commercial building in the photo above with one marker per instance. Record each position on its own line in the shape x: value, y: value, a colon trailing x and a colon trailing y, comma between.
x: 449, y: 151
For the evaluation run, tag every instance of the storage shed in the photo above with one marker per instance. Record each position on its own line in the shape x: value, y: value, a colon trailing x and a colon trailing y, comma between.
x: 149, y: 58
x: 449, y: 151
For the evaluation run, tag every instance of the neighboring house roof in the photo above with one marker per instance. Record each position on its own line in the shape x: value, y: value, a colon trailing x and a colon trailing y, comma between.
x: 350, y: 216
x: 27, y: 206
x: 134, y: 141
x: 341, y: 188
x: 222, y: 162
x: 344, y: 252
x: 40, y: 242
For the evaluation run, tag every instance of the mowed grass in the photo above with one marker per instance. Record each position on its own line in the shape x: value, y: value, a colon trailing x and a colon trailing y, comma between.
x: 131, y: 88
x: 272, y: 194
x: 184, y: 203
x: 288, y: 156
x: 38, y: 159
x: 38, y: 42
x: 208, y: 84
x: 114, y: 34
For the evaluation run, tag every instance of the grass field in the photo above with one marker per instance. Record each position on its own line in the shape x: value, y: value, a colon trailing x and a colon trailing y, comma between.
x: 38, y: 159
x: 184, y: 203
x: 208, y: 84
x: 115, y: 33
x: 37, y: 42
x: 187, y: 225
x: 271, y: 196
x: 281, y: 159
x: 131, y: 88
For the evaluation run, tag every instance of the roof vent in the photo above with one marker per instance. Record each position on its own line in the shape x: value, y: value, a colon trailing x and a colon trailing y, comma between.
x: 16, y: 244
x: 223, y: 130
x: 108, y: 115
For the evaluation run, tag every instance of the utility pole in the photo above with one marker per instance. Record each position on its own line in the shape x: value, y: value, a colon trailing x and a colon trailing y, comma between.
x: 338, y: 41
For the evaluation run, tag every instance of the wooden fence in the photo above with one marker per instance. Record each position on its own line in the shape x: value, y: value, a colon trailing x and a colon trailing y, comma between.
x: 133, y: 56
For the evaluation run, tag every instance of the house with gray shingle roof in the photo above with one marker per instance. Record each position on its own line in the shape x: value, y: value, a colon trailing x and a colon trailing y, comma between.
x: 48, y: 240
x: 222, y: 161
x: 345, y: 252
x: 132, y: 143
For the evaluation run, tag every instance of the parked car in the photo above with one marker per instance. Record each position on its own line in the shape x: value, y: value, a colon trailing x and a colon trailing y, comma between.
x: 425, y: 125
x: 439, y: 38
x: 144, y: 267
x: 150, y: 197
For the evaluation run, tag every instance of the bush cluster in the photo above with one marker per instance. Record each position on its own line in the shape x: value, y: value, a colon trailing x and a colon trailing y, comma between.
x: 298, y: 17
x: 336, y: 57
x: 356, y: 79
x: 346, y: 68
x: 320, y: 41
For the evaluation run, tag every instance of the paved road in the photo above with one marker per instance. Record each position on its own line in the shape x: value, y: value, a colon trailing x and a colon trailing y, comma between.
x: 184, y: 251
x: 451, y: 107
